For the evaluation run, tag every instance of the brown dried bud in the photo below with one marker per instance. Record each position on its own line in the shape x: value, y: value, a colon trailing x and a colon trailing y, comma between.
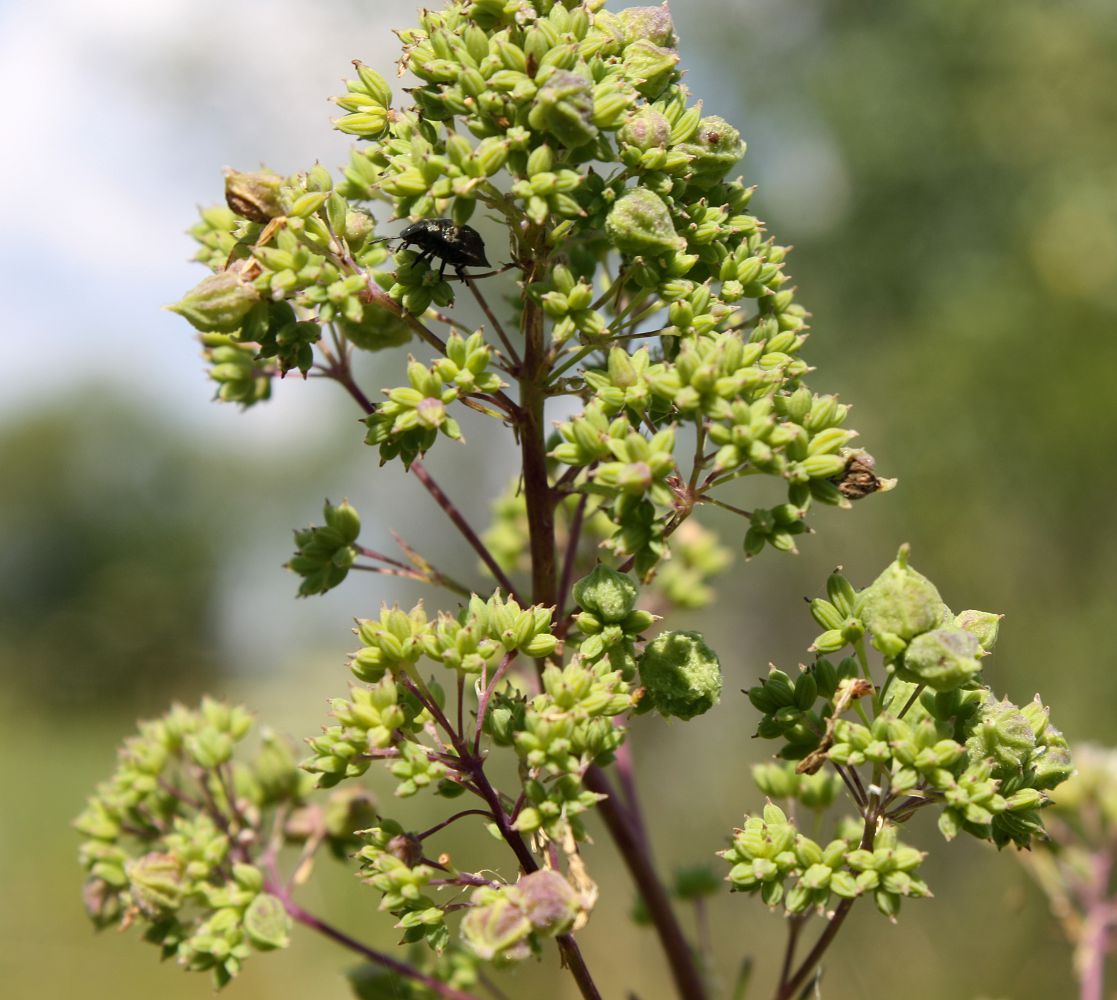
x: 253, y: 196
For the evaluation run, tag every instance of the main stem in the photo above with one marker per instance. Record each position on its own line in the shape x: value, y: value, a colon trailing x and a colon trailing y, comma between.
x: 680, y: 957
x: 537, y: 488
x: 540, y: 501
x: 541, y: 520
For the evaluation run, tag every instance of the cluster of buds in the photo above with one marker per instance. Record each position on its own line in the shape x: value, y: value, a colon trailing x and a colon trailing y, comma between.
x: 792, y: 871
x: 325, y: 553
x: 169, y: 838
x: 406, y: 425
x: 930, y: 735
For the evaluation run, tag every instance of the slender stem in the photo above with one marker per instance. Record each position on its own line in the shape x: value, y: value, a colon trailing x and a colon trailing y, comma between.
x: 850, y: 787
x: 446, y: 822
x: 1096, y: 929
x: 740, y: 511
x: 380, y: 557
x: 794, y: 926
x: 789, y: 986
x: 571, y: 558
x: 684, y: 969
x: 572, y: 361
x: 486, y: 694
x: 298, y: 914
x: 496, y: 325
x: 537, y: 488
x: 420, y: 472
x: 699, y: 444
x: 461, y: 703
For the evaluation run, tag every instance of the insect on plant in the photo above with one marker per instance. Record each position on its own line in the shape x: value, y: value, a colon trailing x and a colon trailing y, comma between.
x: 459, y: 246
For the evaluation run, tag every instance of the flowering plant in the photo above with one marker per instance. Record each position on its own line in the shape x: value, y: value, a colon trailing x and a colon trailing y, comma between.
x: 648, y: 300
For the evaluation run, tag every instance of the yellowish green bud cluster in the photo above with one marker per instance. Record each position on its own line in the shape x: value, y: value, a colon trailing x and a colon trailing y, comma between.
x: 325, y: 554
x: 791, y: 871
x: 169, y: 839
x: 936, y: 737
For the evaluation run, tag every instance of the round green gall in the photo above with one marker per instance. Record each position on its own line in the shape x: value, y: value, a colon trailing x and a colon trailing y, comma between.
x: 653, y: 24
x: 645, y: 129
x: 608, y: 595
x: 495, y: 928
x: 681, y: 675
x: 266, y: 922
x: 548, y: 901
x: 640, y: 223
x: 901, y: 602
x: 943, y: 659
x: 715, y: 148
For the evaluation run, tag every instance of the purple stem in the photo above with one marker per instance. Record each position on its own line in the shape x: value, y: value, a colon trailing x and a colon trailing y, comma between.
x: 420, y: 472
x: 486, y: 694
x: 1094, y: 945
x: 298, y: 914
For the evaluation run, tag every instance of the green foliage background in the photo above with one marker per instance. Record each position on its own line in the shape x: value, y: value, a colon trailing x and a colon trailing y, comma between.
x: 946, y: 172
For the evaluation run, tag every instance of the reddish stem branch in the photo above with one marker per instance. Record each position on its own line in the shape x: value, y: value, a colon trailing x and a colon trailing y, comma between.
x: 789, y: 987
x: 684, y: 969
x: 420, y: 472
x: 301, y: 916
x: 486, y: 695
x: 1096, y: 930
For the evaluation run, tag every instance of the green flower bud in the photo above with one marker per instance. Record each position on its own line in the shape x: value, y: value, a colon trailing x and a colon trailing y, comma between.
x: 983, y: 624
x: 266, y: 922
x: 344, y: 519
x: 901, y: 602
x: 681, y: 675
x: 156, y: 883
x: 640, y: 223
x: 219, y: 303
x: 497, y: 928
x: 548, y: 901
x: 649, y: 66
x: 563, y: 108
x: 651, y: 23
x: 373, y: 84
x: 716, y: 147
x: 608, y: 595
x: 943, y: 658
x: 645, y: 129
x: 253, y: 196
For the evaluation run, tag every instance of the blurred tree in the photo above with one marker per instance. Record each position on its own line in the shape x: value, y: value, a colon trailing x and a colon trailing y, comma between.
x: 108, y: 573
x: 947, y: 175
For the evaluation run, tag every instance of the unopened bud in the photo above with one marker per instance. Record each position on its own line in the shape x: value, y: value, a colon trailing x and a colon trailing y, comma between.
x: 563, y: 108
x: 253, y: 196
x: 640, y: 223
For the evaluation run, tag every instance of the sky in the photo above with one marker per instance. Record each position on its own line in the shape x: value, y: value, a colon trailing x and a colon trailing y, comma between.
x: 122, y: 115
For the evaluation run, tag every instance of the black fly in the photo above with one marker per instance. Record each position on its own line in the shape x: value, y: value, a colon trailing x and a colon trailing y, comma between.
x: 458, y: 246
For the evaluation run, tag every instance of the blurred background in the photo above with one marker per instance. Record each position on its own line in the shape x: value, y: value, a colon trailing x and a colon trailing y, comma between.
x: 948, y: 176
